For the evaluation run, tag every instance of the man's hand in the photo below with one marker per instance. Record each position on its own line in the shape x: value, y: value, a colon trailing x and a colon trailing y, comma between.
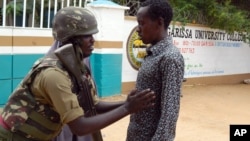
x: 138, y: 100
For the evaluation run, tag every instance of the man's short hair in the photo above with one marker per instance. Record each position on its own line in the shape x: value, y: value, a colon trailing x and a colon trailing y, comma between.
x: 159, y: 8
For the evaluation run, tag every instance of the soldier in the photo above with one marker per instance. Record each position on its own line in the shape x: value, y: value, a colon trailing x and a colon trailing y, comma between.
x: 50, y: 96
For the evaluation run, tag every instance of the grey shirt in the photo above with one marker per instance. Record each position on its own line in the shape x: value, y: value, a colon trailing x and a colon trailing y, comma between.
x: 162, y: 71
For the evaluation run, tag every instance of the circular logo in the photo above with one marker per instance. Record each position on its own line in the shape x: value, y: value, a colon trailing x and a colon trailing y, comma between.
x: 136, y: 49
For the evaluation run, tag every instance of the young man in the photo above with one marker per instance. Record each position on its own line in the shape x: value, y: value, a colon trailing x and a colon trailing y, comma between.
x: 162, y: 71
x: 50, y: 95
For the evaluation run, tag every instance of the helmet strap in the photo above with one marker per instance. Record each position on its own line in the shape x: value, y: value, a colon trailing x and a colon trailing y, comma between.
x: 78, y: 44
x: 79, y: 56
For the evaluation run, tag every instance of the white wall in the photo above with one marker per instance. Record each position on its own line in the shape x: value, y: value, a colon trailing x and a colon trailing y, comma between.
x: 128, y: 73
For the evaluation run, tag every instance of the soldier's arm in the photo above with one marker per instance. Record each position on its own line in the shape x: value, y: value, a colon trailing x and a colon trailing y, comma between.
x: 104, y: 106
x: 135, y: 102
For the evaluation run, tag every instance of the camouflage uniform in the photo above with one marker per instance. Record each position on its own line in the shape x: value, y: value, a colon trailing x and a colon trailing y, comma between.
x: 46, y: 99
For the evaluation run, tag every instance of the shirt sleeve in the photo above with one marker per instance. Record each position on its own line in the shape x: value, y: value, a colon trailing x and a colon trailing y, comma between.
x: 172, y: 76
x: 94, y: 91
x: 53, y: 86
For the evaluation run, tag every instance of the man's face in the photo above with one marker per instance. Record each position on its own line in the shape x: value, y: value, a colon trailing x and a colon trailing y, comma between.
x: 87, y: 45
x: 148, y: 29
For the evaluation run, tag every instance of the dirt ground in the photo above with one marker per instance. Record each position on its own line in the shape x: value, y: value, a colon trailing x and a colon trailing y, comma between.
x: 205, y: 114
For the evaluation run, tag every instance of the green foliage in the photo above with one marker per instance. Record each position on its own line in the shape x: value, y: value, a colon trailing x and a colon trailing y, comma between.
x: 121, y: 2
x: 213, y: 13
x: 19, y: 7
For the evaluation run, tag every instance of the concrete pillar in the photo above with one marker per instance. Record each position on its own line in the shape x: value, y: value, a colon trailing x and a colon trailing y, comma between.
x: 106, y: 60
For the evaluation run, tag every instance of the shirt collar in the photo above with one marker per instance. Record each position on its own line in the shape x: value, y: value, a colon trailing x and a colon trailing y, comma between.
x: 160, y: 46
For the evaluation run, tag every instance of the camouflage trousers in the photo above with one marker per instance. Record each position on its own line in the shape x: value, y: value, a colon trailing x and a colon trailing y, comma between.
x: 6, y: 135
x: 66, y: 135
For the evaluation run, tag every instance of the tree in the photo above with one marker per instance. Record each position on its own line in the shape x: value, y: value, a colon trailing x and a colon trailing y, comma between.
x: 221, y: 14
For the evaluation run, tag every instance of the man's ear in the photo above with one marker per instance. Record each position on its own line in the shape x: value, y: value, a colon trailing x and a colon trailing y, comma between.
x: 160, y: 21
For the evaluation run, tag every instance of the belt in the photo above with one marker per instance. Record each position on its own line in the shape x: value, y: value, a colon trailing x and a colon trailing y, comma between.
x: 7, y: 135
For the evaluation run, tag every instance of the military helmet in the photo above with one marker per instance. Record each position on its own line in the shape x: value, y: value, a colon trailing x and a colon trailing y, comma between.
x: 73, y: 21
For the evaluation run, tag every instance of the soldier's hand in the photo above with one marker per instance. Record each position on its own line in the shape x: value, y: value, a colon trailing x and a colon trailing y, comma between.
x: 138, y: 100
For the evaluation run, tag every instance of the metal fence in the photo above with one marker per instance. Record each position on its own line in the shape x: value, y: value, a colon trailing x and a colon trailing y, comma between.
x: 39, y: 13
x: 32, y: 13
x: 132, y: 4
